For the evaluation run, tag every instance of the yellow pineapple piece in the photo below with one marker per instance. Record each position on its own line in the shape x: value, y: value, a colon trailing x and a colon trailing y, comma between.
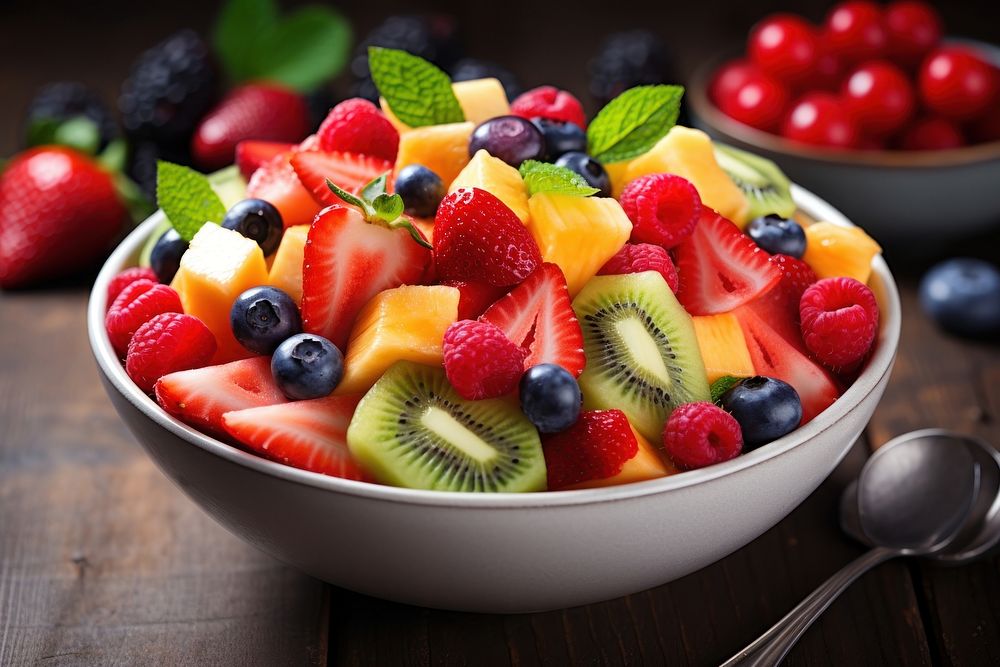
x: 688, y: 153
x: 405, y: 323
x: 646, y: 464
x: 444, y: 149
x: 496, y: 177
x: 218, y: 265
x: 480, y: 99
x: 285, y: 271
x: 579, y: 234
x: 723, y: 347
x: 617, y: 172
x: 833, y: 251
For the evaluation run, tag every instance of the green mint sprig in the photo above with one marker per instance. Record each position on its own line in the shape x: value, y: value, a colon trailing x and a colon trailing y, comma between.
x: 417, y: 92
x: 187, y: 198
x: 543, y: 177
x: 380, y: 208
x: 722, y: 385
x: 633, y: 122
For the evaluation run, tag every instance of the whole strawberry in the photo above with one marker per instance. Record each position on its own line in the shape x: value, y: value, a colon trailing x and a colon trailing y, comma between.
x: 59, y: 213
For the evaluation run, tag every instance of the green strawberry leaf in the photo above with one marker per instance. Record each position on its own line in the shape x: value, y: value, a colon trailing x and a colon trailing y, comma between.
x: 417, y: 92
x: 375, y: 187
x: 187, y: 198
x: 304, y: 49
x: 240, y: 25
x: 633, y: 122
x: 114, y: 156
x: 79, y: 133
x: 545, y: 177
x: 388, y: 207
x: 722, y: 385
x: 377, y: 207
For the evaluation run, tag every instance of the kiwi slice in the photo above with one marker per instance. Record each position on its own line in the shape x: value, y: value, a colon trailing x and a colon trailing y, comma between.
x: 767, y: 189
x: 411, y: 429
x: 642, y: 354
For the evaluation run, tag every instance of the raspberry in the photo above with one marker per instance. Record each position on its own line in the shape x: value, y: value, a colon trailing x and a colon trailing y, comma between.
x: 700, y: 434
x: 663, y: 208
x: 796, y: 276
x: 136, y: 304
x: 125, y: 278
x: 480, y: 361
x: 639, y: 257
x: 168, y: 342
x: 839, y: 321
x: 596, y: 447
x: 357, y: 126
x: 549, y: 102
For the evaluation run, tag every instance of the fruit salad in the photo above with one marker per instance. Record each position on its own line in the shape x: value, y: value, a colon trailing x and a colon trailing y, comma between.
x: 456, y: 292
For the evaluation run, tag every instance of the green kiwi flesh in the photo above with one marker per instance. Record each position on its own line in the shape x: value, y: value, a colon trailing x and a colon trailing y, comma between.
x: 767, y: 189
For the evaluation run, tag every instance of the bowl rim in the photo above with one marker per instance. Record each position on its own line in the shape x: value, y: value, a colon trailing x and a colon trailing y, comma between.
x: 878, y: 367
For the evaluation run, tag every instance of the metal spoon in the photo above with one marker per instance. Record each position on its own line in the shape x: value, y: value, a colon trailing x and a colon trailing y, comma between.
x: 914, y: 496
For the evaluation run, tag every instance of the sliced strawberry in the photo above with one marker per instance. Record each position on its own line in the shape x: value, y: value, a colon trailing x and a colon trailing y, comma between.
x: 311, y: 435
x: 475, y: 298
x: 779, y: 306
x: 347, y: 261
x: 350, y: 171
x: 276, y: 182
x: 201, y: 396
x: 538, y: 315
x: 721, y: 268
x: 251, y: 154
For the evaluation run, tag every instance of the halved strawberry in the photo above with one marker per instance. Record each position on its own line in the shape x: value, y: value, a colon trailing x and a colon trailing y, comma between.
x: 275, y: 182
x: 475, y: 298
x: 779, y: 306
x: 347, y: 261
x: 721, y: 268
x: 538, y: 315
x: 349, y: 171
x: 311, y: 435
x: 252, y: 153
x: 201, y: 396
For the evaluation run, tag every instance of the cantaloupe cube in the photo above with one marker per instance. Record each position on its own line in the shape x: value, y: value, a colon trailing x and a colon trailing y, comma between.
x: 219, y: 264
x: 444, y: 149
x: 834, y: 251
x: 405, y: 323
x: 496, y: 177
x: 480, y: 99
x: 285, y: 271
x: 647, y: 464
x: 723, y: 347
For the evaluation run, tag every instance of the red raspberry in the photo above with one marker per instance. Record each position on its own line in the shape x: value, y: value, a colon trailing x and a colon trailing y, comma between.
x: 357, y: 126
x: 700, y: 434
x: 596, y: 447
x: 168, y: 342
x: 125, y: 278
x: 549, y: 102
x: 480, y: 361
x: 136, y: 304
x: 796, y: 276
x: 839, y: 321
x: 639, y: 257
x: 663, y: 208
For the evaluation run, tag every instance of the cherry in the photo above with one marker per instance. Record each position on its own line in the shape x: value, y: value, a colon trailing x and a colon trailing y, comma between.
x: 956, y: 83
x: 931, y: 133
x: 820, y: 119
x: 913, y: 29
x: 785, y: 47
x: 879, y: 97
x: 729, y: 78
x: 829, y: 69
x: 760, y: 102
x: 987, y: 127
x: 854, y: 31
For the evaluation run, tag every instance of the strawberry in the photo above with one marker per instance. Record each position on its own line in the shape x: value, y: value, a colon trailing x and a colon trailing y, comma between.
x: 474, y: 298
x: 262, y: 111
x: 275, y: 182
x: 311, y: 435
x: 779, y: 306
x: 538, y: 315
x: 350, y: 171
x: 59, y: 213
x: 201, y: 396
x: 720, y: 267
x: 251, y: 154
x: 357, y: 126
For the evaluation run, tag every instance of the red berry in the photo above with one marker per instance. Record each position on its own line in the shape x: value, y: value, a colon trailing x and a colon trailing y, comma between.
x: 549, y: 102
x: 956, y: 83
x: 913, y: 28
x: 663, y: 208
x: 829, y: 72
x: 932, y: 134
x: 987, y: 127
x: 839, y: 320
x: 729, y: 79
x: 639, y: 257
x: 166, y: 343
x: 854, y: 31
x: 796, y: 276
x: 480, y: 361
x: 596, y: 447
x: 785, y: 46
x: 136, y: 304
x: 761, y: 102
x: 820, y: 119
x: 126, y: 278
x: 357, y: 126
x: 879, y: 97
x: 700, y: 434
x: 474, y: 298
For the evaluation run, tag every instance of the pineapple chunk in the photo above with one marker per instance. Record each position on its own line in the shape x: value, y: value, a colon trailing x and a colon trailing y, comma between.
x: 480, y: 99
x: 218, y: 265
x: 833, y: 251
x: 496, y: 177
x: 285, y: 271
x: 617, y: 172
x: 405, y: 323
x: 723, y: 347
x: 444, y: 149
x: 646, y: 464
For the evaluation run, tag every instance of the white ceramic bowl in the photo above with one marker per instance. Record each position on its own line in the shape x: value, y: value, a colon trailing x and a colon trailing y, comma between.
x: 501, y: 552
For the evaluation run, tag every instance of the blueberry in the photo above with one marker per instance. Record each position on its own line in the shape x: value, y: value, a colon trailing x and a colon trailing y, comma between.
x: 307, y: 366
x: 262, y: 317
x: 592, y: 171
x: 561, y: 138
x: 165, y: 257
x: 765, y: 408
x: 421, y: 189
x: 550, y: 397
x: 963, y: 296
x: 257, y: 220
x: 776, y: 235
x: 510, y: 138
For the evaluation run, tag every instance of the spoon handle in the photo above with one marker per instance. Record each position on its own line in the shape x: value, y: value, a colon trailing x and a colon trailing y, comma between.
x: 769, y: 649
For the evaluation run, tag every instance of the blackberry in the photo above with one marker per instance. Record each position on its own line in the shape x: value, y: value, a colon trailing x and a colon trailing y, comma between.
x: 169, y: 89
x: 68, y: 99
x: 627, y: 59
x: 473, y: 68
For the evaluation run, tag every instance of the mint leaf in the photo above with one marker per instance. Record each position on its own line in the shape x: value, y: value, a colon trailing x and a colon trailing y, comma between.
x: 417, y: 92
x: 186, y: 198
x: 722, y: 385
x: 240, y: 25
x: 544, y: 177
x: 79, y: 133
x: 633, y: 122
x: 305, y: 49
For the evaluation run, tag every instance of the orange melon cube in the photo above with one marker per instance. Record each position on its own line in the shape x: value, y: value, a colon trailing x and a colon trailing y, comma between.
x: 496, y: 177
x: 285, y: 271
x: 834, y: 251
x: 723, y: 347
x: 645, y: 465
x: 444, y: 149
